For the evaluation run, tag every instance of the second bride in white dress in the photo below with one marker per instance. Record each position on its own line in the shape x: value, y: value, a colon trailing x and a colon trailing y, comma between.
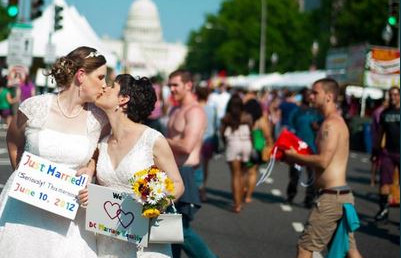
x: 131, y: 147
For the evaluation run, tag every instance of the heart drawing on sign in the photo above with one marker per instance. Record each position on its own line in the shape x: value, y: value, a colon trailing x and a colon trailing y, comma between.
x: 125, y: 218
x: 112, y: 209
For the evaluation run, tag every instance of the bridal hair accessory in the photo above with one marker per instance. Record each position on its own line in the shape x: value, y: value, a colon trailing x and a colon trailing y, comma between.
x: 93, y: 54
x: 153, y: 189
x: 285, y: 141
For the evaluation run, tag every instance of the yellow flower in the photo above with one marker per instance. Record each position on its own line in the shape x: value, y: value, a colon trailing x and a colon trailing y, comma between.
x: 151, y: 213
x: 135, y: 188
x: 169, y: 185
x: 141, y: 173
x: 153, y: 170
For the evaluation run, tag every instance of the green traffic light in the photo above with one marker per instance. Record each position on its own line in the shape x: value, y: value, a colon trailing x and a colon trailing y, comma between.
x: 12, y: 10
x: 392, y: 20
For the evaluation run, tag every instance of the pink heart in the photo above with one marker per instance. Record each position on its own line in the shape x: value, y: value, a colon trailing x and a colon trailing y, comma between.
x: 112, y: 208
x: 127, y: 217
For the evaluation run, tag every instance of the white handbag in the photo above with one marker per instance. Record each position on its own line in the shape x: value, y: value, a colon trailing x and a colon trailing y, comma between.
x: 166, y: 228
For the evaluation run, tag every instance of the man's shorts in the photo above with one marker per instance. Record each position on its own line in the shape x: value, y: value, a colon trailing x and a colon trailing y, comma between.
x: 388, y: 162
x: 322, y: 222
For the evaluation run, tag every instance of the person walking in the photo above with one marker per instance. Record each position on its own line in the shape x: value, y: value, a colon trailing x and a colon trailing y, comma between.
x: 330, y: 164
x: 304, y: 121
x: 236, y: 128
x: 186, y: 127
x: 389, y: 156
x: 210, y: 139
x: 261, y: 134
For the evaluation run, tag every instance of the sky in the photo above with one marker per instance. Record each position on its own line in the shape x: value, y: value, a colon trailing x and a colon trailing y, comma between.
x: 178, y: 17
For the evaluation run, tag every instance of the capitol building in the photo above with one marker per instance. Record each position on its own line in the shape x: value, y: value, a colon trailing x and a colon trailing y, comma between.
x: 142, y: 50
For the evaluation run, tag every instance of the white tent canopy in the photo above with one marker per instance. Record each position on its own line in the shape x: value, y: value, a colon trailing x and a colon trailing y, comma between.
x: 298, y: 79
x: 241, y: 81
x: 264, y: 81
x: 76, y: 32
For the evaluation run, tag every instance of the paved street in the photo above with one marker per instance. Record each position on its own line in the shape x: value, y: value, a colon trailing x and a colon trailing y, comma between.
x: 266, y: 227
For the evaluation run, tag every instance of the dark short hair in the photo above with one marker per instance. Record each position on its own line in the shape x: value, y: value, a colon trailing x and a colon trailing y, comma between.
x: 185, y: 75
x: 202, y: 93
x: 142, y: 96
x: 329, y: 85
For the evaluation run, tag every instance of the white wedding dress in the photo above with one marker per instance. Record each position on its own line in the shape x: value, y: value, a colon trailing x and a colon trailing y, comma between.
x: 139, y: 157
x: 27, y: 231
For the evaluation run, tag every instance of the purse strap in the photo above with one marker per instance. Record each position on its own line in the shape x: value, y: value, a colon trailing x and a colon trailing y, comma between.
x: 173, y: 205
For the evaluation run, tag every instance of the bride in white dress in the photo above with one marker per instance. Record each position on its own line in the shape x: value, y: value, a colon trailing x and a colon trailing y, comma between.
x: 131, y: 147
x: 64, y: 129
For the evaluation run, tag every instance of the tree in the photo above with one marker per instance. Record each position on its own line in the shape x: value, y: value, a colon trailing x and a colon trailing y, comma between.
x: 230, y: 39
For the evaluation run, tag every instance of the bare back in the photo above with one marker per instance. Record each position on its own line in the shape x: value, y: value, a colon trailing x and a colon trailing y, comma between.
x: 333, y: 143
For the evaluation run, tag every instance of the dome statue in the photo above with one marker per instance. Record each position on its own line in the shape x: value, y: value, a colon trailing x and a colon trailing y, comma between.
x: 143, y: 23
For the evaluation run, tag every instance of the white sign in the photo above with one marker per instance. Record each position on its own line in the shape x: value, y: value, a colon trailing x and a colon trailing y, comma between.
x: 384, y: 81
x: 47, y: 185
x: 20, y: 45
x: 50, y: 53
x: 116, y: 214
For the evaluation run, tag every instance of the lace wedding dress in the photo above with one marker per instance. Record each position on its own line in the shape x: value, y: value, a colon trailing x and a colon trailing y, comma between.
x: 27, y: 231
x: 139, y: 157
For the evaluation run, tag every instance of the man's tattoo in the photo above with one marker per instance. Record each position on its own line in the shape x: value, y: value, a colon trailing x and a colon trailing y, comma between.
x: 325, y: 133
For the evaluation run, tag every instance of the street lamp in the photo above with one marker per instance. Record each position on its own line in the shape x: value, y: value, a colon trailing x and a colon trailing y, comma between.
x: 315, y: 51
x: 274, y: 60
x: 387, y: 34
x: 262, y: 54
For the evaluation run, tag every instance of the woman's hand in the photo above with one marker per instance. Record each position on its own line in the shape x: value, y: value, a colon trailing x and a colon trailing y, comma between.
x: 83, y: 197
x: 83, y: 194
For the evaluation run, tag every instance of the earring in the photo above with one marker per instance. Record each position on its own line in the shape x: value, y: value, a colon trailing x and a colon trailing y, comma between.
x: 116, y: 108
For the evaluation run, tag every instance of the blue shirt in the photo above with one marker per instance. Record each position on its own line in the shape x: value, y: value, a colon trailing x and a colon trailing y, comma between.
x: 301, y: 120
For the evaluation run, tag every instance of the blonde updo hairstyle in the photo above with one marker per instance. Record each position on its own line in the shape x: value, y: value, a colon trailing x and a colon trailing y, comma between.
x: 86, y: 58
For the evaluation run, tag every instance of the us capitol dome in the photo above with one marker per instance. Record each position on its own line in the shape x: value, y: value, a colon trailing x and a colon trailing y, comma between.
x: 142, y: 50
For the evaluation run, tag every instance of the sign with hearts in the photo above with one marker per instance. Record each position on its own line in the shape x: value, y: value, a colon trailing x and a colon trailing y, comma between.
x: 116, y: 214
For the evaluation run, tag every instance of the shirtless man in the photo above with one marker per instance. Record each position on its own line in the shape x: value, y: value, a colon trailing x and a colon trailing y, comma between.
x: 330, y: 165
x: 186, y: 126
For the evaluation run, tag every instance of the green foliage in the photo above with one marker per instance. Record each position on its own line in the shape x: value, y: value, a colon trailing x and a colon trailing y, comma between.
x: 231, y: 38
x: 363, y: 21
x: 5, y: 21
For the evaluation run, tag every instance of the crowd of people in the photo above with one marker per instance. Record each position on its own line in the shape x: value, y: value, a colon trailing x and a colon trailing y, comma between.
x: 104, y: 127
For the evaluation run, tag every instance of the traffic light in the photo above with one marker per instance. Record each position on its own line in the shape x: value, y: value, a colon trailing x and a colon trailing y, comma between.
x: 58, y: 17
x: 12, y: 8
x: 393, y: 13
x: 36, y: 8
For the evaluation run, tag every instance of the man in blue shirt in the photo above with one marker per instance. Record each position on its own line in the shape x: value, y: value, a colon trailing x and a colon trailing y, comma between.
x: 304, y: 122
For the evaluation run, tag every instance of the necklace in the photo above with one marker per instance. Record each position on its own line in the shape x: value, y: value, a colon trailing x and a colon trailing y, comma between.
x: 64, y: 113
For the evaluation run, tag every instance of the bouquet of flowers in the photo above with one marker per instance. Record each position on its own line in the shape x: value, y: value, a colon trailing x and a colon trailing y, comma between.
x: 153, y: 189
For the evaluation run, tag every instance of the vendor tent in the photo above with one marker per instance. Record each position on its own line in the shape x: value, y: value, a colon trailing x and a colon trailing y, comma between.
x: 264, y: 81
